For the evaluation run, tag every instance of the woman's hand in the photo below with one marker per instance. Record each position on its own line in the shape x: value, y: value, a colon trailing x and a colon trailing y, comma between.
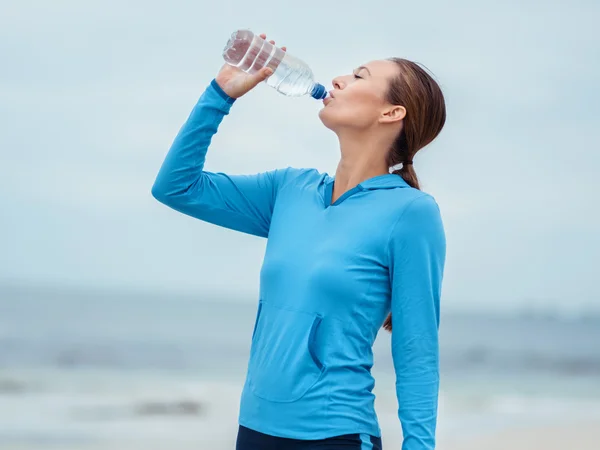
x: 235, y: 82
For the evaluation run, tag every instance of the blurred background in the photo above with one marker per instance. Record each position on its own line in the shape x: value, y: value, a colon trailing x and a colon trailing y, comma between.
x: 127, y: 325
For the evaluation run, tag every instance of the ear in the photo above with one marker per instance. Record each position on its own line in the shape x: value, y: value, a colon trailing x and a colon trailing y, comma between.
x: 394, y: 113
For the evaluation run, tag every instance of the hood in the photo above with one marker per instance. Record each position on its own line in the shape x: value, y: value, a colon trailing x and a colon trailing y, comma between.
x: 386, y: 181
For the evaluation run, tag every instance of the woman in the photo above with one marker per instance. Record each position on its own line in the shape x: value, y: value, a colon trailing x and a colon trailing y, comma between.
x: 342, y: 253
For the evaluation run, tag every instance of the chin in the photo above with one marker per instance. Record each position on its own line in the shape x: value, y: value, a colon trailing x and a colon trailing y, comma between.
x: 326, y: 118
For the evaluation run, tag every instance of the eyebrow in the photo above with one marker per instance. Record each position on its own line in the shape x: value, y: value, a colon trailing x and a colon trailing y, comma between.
x: 359, y: 68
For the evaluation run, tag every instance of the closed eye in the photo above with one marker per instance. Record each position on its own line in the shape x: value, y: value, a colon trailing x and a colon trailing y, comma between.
x: 358, y: 77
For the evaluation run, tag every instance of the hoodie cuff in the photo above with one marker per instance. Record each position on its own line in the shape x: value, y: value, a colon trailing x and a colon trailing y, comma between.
x: 221, y: 92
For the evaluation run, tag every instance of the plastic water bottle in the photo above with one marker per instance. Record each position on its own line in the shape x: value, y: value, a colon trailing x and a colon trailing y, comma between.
x: 291, y: 76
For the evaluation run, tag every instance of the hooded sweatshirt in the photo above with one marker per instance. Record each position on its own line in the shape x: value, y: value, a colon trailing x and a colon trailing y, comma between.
x: 332, y: 272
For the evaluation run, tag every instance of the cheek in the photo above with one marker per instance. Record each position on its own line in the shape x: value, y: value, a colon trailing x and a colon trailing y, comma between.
x: 346, y: 117
x: 360, y: 110
x: 356, y: 109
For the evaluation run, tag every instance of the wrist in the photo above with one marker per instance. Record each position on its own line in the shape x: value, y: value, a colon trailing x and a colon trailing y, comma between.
x: 217, y: 87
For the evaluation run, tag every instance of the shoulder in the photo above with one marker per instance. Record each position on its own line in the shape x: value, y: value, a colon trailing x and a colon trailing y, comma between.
x: 299, y: 177
x: 419, y: 204
x: 419, y: 215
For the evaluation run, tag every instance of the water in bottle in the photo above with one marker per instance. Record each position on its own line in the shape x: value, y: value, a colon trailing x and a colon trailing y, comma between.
x: 291, y: 76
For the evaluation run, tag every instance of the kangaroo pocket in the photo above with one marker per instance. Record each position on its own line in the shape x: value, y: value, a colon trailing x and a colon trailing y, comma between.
x: 283, y: 364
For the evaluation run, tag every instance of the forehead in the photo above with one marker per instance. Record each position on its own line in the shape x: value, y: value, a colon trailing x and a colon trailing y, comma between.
x: 382, y: 69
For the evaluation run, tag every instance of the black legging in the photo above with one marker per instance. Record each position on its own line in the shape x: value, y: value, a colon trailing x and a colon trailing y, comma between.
x: 248, y: 439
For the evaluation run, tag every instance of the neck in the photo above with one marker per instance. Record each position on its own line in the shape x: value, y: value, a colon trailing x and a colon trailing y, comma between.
x: 362, y: 158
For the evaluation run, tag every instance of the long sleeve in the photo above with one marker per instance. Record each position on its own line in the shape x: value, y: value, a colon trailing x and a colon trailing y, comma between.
x: 417, y: 256
x: 241, y: 202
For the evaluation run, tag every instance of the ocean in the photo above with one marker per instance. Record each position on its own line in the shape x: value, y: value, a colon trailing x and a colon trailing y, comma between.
x: 108, y: 369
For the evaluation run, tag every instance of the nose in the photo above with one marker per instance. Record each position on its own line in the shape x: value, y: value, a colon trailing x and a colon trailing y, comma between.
x: 338, y: 83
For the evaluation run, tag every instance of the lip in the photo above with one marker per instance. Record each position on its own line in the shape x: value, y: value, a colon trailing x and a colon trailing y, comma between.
x: 327, y: 100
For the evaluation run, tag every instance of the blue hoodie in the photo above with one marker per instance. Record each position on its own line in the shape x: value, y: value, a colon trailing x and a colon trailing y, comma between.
x: 331, y: 274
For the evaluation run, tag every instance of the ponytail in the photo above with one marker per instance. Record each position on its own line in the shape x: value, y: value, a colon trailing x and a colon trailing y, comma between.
x: 407, y: 172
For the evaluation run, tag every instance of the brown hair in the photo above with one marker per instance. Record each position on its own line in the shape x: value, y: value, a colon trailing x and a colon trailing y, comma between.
x: 423, y: 99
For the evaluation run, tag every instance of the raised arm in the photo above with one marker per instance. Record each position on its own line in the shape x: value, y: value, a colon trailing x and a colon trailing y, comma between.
x: 240, y: 202
x: 417, y: 255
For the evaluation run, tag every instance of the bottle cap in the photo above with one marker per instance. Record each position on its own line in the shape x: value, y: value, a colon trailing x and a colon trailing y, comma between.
x: 319, y: 92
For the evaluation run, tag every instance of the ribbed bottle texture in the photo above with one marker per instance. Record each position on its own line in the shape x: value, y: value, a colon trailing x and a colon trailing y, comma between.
x: 291, y: 76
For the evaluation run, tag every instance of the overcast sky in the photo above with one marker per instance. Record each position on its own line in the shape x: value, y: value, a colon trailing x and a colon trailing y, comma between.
x: 92, y: 94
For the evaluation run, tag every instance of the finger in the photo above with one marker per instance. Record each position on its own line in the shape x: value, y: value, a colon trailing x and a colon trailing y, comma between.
x: 284, y: 49
x: 263, y: 35
x: 272, y: 42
